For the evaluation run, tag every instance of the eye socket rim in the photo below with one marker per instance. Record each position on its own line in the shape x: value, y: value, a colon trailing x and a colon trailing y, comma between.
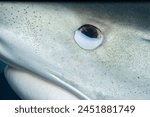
x: 99, y: 38
x: 90, y: 27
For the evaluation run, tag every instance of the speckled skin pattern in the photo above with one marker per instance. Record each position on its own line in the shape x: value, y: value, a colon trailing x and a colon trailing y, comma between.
x: 44, y: 62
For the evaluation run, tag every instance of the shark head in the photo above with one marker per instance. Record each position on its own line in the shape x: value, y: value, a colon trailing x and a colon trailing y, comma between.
x: 45, y: 62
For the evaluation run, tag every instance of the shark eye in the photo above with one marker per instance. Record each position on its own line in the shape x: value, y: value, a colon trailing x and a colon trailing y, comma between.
x: 88, y: 37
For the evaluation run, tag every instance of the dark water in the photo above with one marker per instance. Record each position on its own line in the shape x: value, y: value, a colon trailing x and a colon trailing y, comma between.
x: 6, y: 93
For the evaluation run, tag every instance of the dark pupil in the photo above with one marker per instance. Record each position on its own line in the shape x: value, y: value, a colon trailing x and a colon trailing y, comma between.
x: 89, y: 30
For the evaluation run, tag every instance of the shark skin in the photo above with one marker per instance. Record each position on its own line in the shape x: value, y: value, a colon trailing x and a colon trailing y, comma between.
x: 44, y: 62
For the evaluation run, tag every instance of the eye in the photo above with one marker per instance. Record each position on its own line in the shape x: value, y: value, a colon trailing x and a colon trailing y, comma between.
x: 88, y: 37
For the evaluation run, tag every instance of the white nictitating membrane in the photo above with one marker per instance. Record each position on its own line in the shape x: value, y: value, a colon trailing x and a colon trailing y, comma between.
x: 86, y: 42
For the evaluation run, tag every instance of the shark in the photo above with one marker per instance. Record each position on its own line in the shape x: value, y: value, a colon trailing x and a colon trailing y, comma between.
x: 50, y: 53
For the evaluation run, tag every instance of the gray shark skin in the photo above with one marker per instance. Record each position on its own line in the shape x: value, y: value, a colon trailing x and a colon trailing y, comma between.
x: 44, y: 62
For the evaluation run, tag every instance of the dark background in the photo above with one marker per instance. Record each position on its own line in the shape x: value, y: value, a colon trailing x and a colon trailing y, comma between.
x: 6, y: 93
